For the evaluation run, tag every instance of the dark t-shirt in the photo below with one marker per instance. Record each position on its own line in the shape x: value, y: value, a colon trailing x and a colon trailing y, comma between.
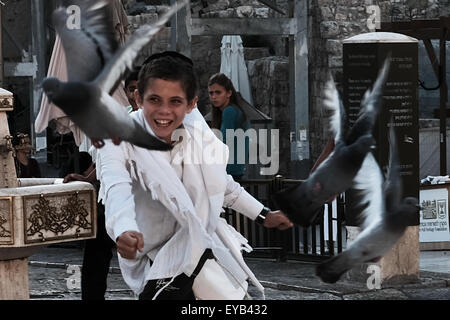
x: 32, y: 170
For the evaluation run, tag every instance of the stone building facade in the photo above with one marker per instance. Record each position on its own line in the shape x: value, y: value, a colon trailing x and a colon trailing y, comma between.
x: 330, y: 22
x: 334, y: 21
x: 266, y: 57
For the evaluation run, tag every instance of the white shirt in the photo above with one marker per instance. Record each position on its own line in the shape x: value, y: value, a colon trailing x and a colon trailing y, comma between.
x: 173, y: 239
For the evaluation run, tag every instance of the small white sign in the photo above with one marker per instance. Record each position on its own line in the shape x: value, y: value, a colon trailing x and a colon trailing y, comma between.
x: 41, y: 143
x: 74, y: 281
x: 434, y: 220
x: 303, y: 135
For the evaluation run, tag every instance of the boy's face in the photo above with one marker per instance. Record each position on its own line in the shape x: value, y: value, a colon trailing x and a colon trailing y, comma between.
x: 131, y: 87
x: 165, y: 105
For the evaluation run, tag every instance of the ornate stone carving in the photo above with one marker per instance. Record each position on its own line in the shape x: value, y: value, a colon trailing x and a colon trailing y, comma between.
x: 6, y: 230
x: 58, y: 216
x: 6, y: 100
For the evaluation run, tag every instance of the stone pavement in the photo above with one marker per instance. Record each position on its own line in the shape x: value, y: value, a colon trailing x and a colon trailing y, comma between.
x: 54, y: 275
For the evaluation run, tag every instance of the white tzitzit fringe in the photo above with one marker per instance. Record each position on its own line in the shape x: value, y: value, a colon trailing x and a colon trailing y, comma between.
x: 238, y: 257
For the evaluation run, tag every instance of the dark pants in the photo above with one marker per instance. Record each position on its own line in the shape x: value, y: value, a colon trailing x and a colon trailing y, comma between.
x: 96, y: 261
x: 179, y: 289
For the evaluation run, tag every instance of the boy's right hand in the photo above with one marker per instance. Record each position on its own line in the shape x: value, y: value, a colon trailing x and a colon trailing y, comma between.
x: 128, y: 243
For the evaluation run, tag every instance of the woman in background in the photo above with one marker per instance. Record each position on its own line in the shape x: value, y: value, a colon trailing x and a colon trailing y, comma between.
x: 228, y: 115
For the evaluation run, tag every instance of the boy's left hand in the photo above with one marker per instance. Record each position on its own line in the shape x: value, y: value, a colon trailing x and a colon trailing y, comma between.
x: 277, y: 219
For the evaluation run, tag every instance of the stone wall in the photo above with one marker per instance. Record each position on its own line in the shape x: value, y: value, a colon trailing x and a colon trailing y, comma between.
x: 234, y: 9
x: 206, y: 49
x: 148, y: 14
x: 331, y: 21
x: 418, y: 9
x: 266, y: 57
x: 206, y: 54
x: 16, y: 48
x: 335, y: 20
x: 424, y: 9
x: 269, y: 79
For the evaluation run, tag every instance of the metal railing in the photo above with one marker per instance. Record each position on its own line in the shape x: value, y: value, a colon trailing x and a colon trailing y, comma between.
x: 314, y: 243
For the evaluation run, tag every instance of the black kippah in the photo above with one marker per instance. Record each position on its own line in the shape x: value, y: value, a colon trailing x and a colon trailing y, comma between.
x: 172, y: 54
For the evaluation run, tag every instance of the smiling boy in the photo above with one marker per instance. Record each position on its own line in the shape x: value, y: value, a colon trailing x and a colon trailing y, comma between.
x: 163, y: 213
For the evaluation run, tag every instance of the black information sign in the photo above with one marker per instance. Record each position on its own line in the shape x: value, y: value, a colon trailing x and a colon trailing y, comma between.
x: 362, y: 62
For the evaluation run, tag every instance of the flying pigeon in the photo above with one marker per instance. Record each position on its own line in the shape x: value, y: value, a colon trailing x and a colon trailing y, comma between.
x: 303, y: 203
x: 95, y: 67
x: 383, y: 218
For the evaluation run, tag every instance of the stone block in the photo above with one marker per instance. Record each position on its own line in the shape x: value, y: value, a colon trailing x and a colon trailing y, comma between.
x: 237, y: 3
x: 279, y: 70
x: 148, y: 18
x: 12, y: 285
x: 256, y: 53
x: 228, y: 13
x: 262, y: 12
x: 334, y: 47
x: 329, y: 29
x: 282, y: 87
x: 251, y: 68
x: 245, y: 12
x: 326, y: 13
x: 401, y: 264
x: 341, y: 16
x: 128, y: 4
x: 161, y: 9
x: 335, y: 62
x: 217, y: 6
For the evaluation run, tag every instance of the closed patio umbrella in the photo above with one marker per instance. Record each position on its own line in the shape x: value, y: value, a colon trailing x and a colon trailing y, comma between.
x: 234, y: 67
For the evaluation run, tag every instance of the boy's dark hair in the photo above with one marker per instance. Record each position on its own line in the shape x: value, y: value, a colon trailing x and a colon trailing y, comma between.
x: 133, y: 76
x: 20, y: 139
x: 173, y: 54
x: 169, y: 66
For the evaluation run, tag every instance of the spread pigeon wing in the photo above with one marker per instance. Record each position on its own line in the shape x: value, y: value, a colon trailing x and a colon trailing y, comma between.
x: 87, y: 34
x: 370, y: 106
x: 376, y: 194
x: 379, y: 195
x: 122, y: 61
x: 338, y: 119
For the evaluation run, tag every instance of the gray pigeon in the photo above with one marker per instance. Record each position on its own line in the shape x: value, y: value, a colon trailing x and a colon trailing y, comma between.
x: 303, y: 203
x: 95, y: 68
x: 384, y: 216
